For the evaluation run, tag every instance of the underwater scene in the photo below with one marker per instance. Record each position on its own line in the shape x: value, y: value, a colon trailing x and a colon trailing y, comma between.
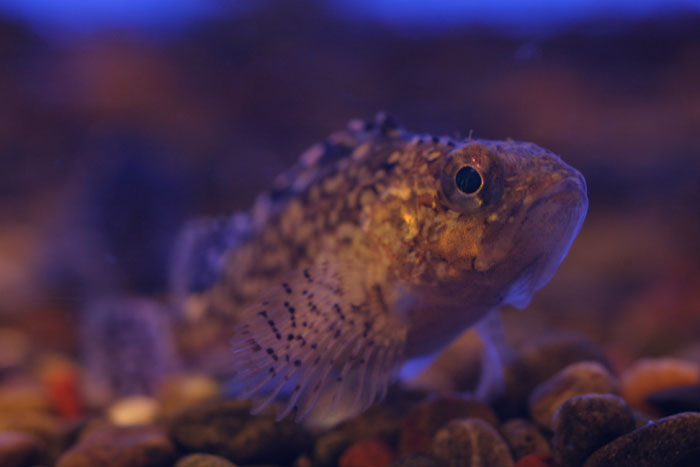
x: 323, y: 233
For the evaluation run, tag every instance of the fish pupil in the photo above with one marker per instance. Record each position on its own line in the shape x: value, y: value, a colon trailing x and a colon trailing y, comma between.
x: 468, y: 180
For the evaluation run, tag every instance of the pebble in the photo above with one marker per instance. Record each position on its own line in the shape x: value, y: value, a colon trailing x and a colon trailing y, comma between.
x: 329, y: 446
x: 537, y: 460
x: 670, y: 441
x: 423, y: 420
x: 22, y: 398
x: 676, y: 400
x: 367, y: 453
x: 142, y: 446
x: 650, y: 375
x: 178, y: 393
x: 574, y: 380
x: 471, y: 442
x: 226, y: 428
x: 60, y: 377
x: 15, y: 348
x: 417, y: 459
x: 585, y: 423
x: 203, y: 460
x: 133, y: 410
x: 524, y: 438
x: 379, y: 422
x: 43, y: 426
x: 20, y: 449
x: 536, y: 362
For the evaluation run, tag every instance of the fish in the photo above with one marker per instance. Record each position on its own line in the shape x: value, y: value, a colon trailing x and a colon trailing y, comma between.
x: 376, y: 250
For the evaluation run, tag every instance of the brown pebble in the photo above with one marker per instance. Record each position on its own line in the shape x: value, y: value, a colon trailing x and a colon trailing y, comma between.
x: 585, y: 423
x: 178, y: 393
x: 226, y: 428
x: 204, y: 460
x: 19, y: 449
x: 523, y: 438
x: 650, y: 375
x: 142, y: 446
x: 426, y: 418
x: 574, y: 380
x: 538, y: 361
x: 471, y: 442
x: 670, y: 441
x: 367, y: 453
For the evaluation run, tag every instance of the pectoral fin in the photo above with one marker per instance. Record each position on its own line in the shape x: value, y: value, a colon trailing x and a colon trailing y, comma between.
x: 307, y: 342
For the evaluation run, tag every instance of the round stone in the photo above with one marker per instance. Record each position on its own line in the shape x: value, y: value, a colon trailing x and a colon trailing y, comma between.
x: 368, y: 453
x: 178, y: 393
x: 112, y: 446
x: 536, y: 362
x: 650, y: 375
x: 20, y: 449
x: 424, y: 420
x: 523, y: 438
x: 329, y: 446
x: 584, y: 423
x: 471, y: 442
x: 574, y: 380
x: 133, y: 410
x: 203, y: 460
x: 226, y: 428
x: 669, y: 441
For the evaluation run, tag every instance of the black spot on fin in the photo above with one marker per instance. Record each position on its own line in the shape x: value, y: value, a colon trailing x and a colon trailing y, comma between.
x: 305, y: 343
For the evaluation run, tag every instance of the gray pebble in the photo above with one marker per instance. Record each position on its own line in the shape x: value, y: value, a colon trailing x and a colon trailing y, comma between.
x: 670, y: 441
x: 574, y: 380
x: 584, y: 423
x: 523, y: 438
x: 471, y: 442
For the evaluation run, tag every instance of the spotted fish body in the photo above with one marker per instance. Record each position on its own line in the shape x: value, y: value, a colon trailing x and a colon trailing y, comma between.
x: 378, y: 247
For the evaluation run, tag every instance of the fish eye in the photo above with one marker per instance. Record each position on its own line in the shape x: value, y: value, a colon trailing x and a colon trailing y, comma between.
x: 469, y: 180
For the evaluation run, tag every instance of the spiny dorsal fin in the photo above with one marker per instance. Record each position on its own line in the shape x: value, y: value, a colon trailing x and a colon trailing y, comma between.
x: 307, y: 343
x: 199, y: 252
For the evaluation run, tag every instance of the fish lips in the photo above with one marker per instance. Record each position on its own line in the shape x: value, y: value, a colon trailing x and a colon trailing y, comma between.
x: 546, y: 233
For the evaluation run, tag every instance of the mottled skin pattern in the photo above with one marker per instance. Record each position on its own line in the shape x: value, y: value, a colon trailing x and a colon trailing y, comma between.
x: 382, y: 207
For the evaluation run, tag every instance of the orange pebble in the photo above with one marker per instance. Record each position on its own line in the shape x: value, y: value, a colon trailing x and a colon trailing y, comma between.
x: 536, y: 460
x: 650, y: 375
x: 60, y: 378
x: 367, y: 453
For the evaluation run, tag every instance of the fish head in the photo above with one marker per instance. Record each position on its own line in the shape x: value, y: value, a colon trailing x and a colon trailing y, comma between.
x: 486, y: 224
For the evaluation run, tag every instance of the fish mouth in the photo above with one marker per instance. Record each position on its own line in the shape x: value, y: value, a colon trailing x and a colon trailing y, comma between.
x: 570, y: 189
x: 548, y: 229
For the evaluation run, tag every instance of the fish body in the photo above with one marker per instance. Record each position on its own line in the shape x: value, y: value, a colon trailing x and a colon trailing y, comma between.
x: 380, y: 246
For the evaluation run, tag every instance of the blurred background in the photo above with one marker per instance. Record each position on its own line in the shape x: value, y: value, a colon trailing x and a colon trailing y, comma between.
x: 120, y: 120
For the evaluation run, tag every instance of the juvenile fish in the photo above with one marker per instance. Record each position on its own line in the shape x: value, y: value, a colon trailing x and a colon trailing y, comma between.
x: 380, y: 246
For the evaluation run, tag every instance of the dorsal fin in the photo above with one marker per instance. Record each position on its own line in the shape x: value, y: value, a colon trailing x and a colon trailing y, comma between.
x: 307, y: 342
x: 200, y: 249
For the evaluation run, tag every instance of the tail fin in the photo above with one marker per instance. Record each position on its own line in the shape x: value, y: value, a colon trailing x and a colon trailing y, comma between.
x: 128, y: 346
